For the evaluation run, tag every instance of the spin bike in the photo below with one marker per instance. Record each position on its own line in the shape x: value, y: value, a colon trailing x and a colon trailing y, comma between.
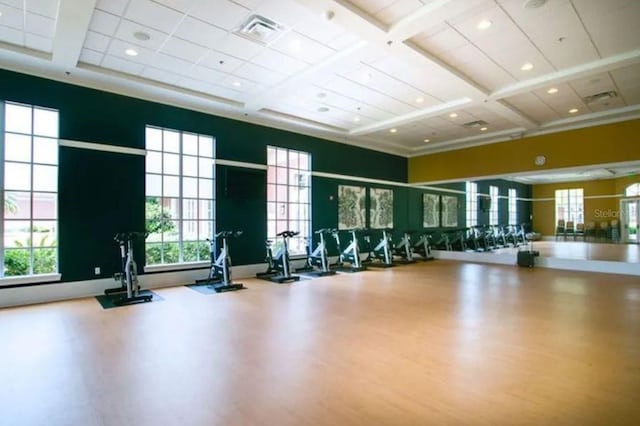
x: 381, y: 254
x: 317, y: 258
x: 219, y: 277
x: 351, y: 254
x: 129, y: 291
x: 423, y: 246
x: 404, y: 250
x: 278, y: 264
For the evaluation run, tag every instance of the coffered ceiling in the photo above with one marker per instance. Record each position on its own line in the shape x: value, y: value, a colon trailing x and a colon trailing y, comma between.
x: 401, y: 76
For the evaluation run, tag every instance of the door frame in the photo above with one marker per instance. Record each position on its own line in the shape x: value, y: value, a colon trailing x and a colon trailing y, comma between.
x: 624, y: 233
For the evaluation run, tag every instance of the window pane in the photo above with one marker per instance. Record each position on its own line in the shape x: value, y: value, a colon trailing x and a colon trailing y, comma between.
x: 174, y: 233
x: 304, y: 211
x: 171, y: 141
x: 293, y: 159
x: 281, y: 157
x: 189, y: 209
x: 17, y: 176
x: 271, y: 229
x: 189, y: 250
x: 171, y: 164
x: 17, y: 205
x: 44, y: 233
x: 294, y: 193
x: 205, y: 229
x: 271, y: 156
x: 18, y: 118
x: 206, y: 147
x: 154, y: 185
x: 281, y: 193
x: 190, y: 187
x: 190, y: 230
x: 153, y: 162
x: 153, y: 138
x: 206, y: 168
x: 45, y: 205
x: 294, y: 211
x: 271, y: 174
x: 170, y: 252
x: 271, y: 192
x: 171, y: 186
x: 16, y: 262
x: 17, y: 233
x: 305, y: 161
x: 45, y: 178
x: 189, y: 144
x: 153, y: 253
x: 281, y: 226
x: 45, y: 122
x: 281, y: 175
x: 271, y: 211
x: 205, y: 211
x: 304, y: 194
x: 205, y: 188
x: 172, y: 207
x: 45, y: 150
x: 281, y: 211
x: 17, y: 148
x: 189, y: 166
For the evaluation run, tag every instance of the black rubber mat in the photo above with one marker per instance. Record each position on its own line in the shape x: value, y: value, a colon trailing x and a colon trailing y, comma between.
x: 108, y: 302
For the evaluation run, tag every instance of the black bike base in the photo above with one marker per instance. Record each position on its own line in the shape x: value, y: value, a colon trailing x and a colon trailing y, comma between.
x: 316, y: 272
x: 405, y: 261
x: 351, y: 269
x: 281, y: 279
x: 115, y: 299
x: 380, y: 265
x: 221, y: 288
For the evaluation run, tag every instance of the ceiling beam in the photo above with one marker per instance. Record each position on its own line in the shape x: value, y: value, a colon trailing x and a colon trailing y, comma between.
x: 580, y: 71
x: 74, y: 17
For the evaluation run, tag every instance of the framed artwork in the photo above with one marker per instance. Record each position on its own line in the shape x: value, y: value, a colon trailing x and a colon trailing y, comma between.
x: 351, y: 206
x: 449, y: 211
x: 381, y: 208
x: 430, y: 211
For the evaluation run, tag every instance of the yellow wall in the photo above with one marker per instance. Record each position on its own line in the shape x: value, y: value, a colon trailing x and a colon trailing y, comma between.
x: 611, y: 143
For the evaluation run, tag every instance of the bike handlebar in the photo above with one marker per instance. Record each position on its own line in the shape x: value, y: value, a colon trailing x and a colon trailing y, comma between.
x: 126, y: 236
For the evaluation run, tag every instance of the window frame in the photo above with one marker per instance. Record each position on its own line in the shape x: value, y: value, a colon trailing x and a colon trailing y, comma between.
x: 571, y: 200
x: 512, y: 199
x: 494, y: 210
x: 471, y: 201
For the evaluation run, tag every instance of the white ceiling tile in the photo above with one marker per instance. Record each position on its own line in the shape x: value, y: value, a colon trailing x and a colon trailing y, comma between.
x: 92, y: 57
x: 18, y: 4
x: 153, y: 15
x: 41, y: 25
x: 221, y: 62
x: 278, y: 62
x: 12, y: 17
x: 179, y: 5
x: 232, y: 82
x: 593, y: 84
x: 221, y: 13
x: 206, y: 74
x: 127, y: 29
x: 531, y: 106
x: 36, y: 42
x: 199, y: 32
x: 612, y: 24
x: 397, y: 10
x: 122, y: 65
x: 170, y: 63
x: 159, y: 75
x: 104, y: 23
x: 115, y: 7
x: 183, y: 49
x: 259, y: 74
x: 307, y: 50
x: 446, y: 40
x: 627, y: 77
x: 239, y: 47
x: 11, y: 36
x: 117, y: 48
x: 47, y: 8
x: 195, y: 85
x: 96, y: 41
x: 372, y: 6
x: 226, y: 93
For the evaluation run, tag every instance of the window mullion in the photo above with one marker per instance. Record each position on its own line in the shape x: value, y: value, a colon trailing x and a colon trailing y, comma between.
x: 2, y: 138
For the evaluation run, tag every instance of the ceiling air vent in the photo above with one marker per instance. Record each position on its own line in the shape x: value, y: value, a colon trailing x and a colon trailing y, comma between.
x: 600, y: 97
x: 260, y: 29
x: 474, y: 124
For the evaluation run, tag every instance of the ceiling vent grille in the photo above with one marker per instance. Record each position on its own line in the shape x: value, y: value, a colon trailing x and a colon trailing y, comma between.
x: 600, y: 97
x: 260, y: 29
x: 474, y: 124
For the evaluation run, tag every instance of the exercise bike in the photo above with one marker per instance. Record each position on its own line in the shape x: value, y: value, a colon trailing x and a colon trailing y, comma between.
x: 404, y: 250
x: 381, y: 254
x: 423, y: 246
x: 279, y: 265
x: 317, y: 258
x: 219, y: 278
x: 129, y: 291
x: 351, y: 254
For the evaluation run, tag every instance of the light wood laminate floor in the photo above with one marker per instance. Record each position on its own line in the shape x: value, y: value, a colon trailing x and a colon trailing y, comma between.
x: 439, y: 343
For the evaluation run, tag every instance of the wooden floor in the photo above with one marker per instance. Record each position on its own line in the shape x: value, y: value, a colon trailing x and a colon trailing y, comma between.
x: 628, y: 253
x: 440, y: 343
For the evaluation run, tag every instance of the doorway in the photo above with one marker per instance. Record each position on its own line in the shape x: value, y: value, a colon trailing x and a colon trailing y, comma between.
x: 629, y: 218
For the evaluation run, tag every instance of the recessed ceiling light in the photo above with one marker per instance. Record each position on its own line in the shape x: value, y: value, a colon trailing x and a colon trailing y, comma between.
x: 426, y: 140
x: 453, y: 115
x: 393, y: 130
x: 131, y: 52
x: 527, y: 66
x: 295, y: 46
x: 321, y: 95
x: 141, y: 35
x: 483, y: 129
x: 356, y: 119
x: 237, y: 83
x: 573, y: 110
x: 552, y: 91
x: 484, y: 24
x: 419, y: 100
x: 323, y: 109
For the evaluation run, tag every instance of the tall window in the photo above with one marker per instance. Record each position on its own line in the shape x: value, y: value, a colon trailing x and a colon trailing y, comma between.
x: 29, y: 188
x: 513, y: 206
x: 472, y: 204
x: 180, y: 196
x: 570, y: 205
x: 289, y: 195
x: 632, y: 190
x: 494, y: 211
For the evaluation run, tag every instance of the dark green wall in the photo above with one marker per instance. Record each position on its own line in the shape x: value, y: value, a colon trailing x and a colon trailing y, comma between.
x: 102, y: 193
